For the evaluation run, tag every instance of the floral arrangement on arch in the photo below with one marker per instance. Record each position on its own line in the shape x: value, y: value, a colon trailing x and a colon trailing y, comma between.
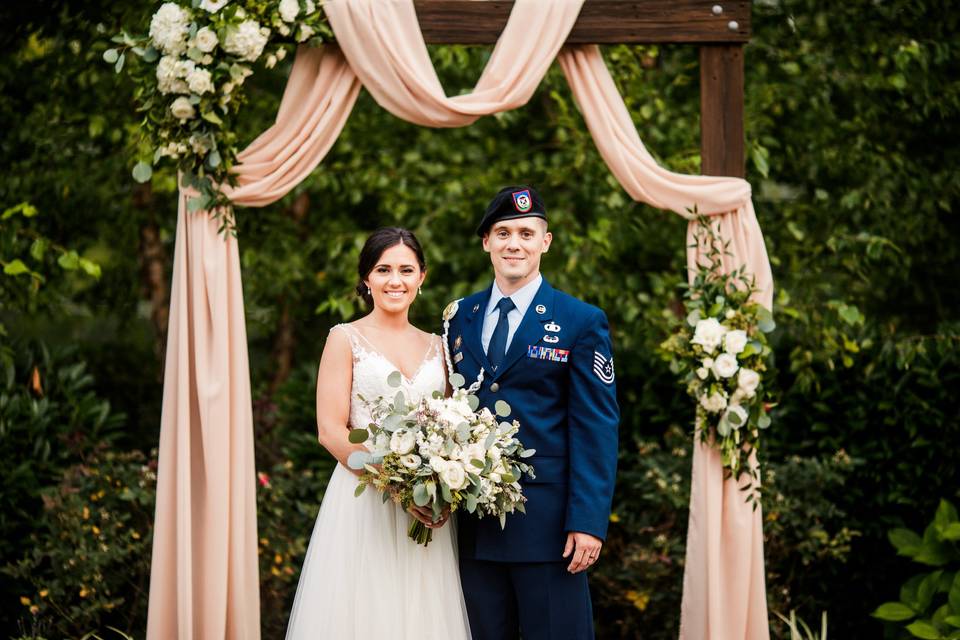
x: 719, y: 351
x: 194, y: 61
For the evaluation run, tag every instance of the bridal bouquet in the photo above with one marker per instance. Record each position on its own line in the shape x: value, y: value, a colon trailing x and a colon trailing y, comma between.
x: 440, y: 453
x: 720, y: 352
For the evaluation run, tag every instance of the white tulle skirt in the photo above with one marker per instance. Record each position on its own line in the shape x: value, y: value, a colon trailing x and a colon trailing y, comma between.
x: 364, y: 578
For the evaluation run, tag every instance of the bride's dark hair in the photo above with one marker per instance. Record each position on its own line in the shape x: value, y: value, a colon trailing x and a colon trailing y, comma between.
x: 378, y: 242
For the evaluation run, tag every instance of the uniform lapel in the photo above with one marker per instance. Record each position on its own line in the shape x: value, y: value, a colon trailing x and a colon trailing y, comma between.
x: 531, y: 329
x: 473, y: 327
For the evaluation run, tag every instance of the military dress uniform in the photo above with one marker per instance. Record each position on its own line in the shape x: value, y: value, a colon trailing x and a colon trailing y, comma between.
x: 557, y: 375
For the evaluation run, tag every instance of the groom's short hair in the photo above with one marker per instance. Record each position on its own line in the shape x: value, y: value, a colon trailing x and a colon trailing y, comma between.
x: 510, y: 203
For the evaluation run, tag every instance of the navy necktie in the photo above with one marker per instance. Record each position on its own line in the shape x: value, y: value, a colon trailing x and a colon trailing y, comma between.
x: 498, y: 341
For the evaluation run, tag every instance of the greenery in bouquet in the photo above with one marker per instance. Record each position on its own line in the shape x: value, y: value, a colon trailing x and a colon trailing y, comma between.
x: 193, y: 63
x: 719, y: 350
x: 442, y: 453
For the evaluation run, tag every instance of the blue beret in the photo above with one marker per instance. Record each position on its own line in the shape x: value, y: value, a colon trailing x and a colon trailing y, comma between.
x: 510, y: 203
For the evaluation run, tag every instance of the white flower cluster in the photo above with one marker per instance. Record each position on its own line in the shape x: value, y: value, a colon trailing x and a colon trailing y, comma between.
x: 189, y: 51
x: 721, y: 347
x: 441, y: 451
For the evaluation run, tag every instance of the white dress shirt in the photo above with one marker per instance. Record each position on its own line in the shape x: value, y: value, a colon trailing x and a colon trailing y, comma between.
x: 522, y: 298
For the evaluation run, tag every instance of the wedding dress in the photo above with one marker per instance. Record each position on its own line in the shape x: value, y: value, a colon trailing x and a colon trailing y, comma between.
x: 362, y: 577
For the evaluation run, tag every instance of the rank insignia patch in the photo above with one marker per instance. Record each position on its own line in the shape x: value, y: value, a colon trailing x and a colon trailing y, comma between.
x: 522, y: 200
x: 548, y: 353
x: 603, y: 367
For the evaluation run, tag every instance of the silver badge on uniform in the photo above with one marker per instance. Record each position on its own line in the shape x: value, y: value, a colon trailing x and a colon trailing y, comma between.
x: 475, y: 307
x: 603, y: 367
x: 550, y: 326
x: 541, y: 309
x: 551, y: 339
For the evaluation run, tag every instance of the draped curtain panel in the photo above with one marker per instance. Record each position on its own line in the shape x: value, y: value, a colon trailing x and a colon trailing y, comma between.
x: 204, y: 581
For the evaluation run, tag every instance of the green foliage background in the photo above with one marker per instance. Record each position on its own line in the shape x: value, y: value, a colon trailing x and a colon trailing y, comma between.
x: 852, y: 133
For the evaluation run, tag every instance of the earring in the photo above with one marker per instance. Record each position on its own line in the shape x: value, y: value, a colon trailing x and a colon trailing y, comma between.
x: 420, y: 290
x: 369, y: 293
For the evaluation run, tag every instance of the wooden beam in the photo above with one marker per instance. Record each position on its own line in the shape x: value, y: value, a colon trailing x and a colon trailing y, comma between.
x: 600, y: 21
x: 721, y: 110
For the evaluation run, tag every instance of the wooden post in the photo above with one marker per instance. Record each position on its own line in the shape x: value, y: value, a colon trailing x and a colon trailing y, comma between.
x: 721, y: 110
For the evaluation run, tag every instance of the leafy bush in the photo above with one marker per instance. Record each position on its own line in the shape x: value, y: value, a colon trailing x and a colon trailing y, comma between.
x: 638, y: 583
x: 88, y: 559
x: 931, y: 600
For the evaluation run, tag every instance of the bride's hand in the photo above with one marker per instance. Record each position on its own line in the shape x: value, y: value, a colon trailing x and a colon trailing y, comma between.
x: 425, y: 515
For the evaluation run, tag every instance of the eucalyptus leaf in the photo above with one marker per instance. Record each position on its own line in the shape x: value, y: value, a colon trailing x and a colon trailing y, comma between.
x: 479, y: 464
x: 359, y: 490
x: 420, y: 495
x: 457, y: 381
x: 471, y: 503
x: 110, y: 56
x: 358, y: 459
x: 502, y: 408
x: 142, y: 172
x: 358, y: 436
x: 473, y: 401
x: 394, y: 379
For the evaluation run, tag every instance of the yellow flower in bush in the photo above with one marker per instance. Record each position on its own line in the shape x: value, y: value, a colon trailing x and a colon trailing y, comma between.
x: 25, y: 601
x: 639, y: 600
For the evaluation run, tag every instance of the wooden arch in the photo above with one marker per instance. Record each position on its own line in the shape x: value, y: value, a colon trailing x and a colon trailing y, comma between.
x: 720, y: 28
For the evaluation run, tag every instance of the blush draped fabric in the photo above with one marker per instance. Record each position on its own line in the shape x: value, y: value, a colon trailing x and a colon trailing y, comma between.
x: 204, y: 582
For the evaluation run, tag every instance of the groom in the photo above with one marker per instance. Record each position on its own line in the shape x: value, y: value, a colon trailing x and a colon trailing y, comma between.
x: 548, y: 355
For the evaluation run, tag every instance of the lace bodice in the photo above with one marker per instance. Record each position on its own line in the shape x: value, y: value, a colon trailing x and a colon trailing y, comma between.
x: 371, y: 369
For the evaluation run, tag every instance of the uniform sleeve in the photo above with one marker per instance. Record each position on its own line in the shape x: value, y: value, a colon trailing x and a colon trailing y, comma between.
x: 594, y: 419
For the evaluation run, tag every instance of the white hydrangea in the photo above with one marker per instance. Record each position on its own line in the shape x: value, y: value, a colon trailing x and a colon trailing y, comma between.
x: 246, y: 40
x: 182, y: 109
x: 168, y: 76
x: 213, y: 5
x: 310, y: 7
x: 200, y: 81
x: 168, y: 28
x: 289, y: 10
x: 734, y: 341
x: 748, y: 380
x: 714, y: 403
x: 708, y: 333
x: 206, y: 40
x: 725, y: 365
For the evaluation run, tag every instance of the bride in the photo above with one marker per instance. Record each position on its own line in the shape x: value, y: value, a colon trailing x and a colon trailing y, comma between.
x: 362, y: 576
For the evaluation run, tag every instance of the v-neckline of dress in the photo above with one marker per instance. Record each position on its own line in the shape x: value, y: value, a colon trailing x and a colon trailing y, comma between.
x: 407, y: 379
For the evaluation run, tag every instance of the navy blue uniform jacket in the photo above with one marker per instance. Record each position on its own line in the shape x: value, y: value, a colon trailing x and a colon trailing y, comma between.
x: 558, y: 378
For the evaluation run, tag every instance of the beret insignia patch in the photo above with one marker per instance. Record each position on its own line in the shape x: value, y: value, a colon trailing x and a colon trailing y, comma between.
x: 522, y: 201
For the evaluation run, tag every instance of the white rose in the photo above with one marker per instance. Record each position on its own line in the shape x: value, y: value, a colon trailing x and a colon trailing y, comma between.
x: 213, y: 5
x: 410, y: 461
x: 402, y: 442
x: 289, y: 10
x: 206, y: 39
x: 306, y: 32
x: 182, y: 109
x: 740, y: 412
x: 748, y: 380
x: 168, y: 80
x: 200, y: 81
x: 702, y: 373
x: 168, y: 28
x: 246, y: 40
x: 708, y: 334
x: 725, y: 365
x: 438, y: 464
x: 735, y: 341
x: 714, y: 403
x: 454, y: 476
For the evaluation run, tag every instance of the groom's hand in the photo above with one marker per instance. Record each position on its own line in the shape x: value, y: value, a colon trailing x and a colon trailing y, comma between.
x: 585, y: 549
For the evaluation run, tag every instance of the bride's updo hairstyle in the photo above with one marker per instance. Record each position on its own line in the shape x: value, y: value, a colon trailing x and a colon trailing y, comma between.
x: 378, y: 242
